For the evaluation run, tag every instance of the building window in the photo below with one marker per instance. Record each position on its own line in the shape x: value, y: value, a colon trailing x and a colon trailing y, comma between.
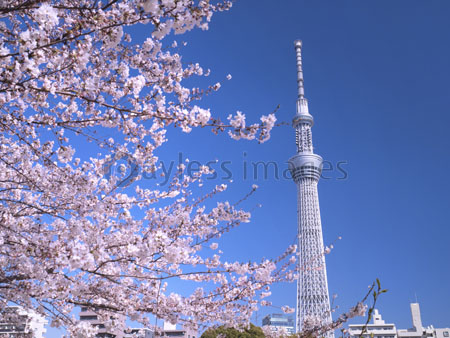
x: 88, y: 317
x: 174, y: 334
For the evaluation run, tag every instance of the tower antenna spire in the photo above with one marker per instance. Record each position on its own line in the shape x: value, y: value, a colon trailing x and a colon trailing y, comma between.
x: 313, y: 302
x: 300, y: 87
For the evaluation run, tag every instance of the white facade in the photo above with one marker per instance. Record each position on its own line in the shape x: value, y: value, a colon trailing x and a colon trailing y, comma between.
x: 417, y: 331
x: 442, y: 333
x: 170, y: 330
x: 377, y: 329
x: 26, y: 323
x: 139, y: 333
x: 91, y: 317
x: 380, y: 329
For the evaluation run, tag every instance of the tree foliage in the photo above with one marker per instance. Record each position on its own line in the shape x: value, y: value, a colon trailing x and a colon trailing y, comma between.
x: 229, y: 332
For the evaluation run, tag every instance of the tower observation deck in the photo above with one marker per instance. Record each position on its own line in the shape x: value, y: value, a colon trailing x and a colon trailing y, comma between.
x: 313, y: 303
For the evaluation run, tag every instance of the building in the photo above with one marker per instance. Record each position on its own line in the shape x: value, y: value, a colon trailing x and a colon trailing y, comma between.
x: 313, y: 303
x: 139, y: 333
x: 279, y: 323
x: 87, y: 315
x: 170, y: 330
x: 377, y: 329
x: 381, y: 330
x: 19, y: 322
x: 417, y: 331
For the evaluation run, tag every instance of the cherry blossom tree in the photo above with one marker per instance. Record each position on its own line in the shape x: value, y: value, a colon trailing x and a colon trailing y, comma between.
x: 69, y: 234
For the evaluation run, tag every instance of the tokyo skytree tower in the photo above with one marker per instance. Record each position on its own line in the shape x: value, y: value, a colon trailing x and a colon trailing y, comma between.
x: 313, y: 303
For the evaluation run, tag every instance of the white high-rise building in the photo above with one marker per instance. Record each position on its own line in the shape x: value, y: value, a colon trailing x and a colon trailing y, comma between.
x: 379, y: 329
x: 313, y: 303
x: 169, y: 330
x: 87, y: 315
x: 139, y: 333
x: 417, y: 331
x: 20, y: 322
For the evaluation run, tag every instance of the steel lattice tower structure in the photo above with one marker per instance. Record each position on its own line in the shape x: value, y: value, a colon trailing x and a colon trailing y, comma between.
x: 313, y: 303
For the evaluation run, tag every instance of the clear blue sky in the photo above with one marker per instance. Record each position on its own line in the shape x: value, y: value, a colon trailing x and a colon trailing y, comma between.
x: 377, y: 80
